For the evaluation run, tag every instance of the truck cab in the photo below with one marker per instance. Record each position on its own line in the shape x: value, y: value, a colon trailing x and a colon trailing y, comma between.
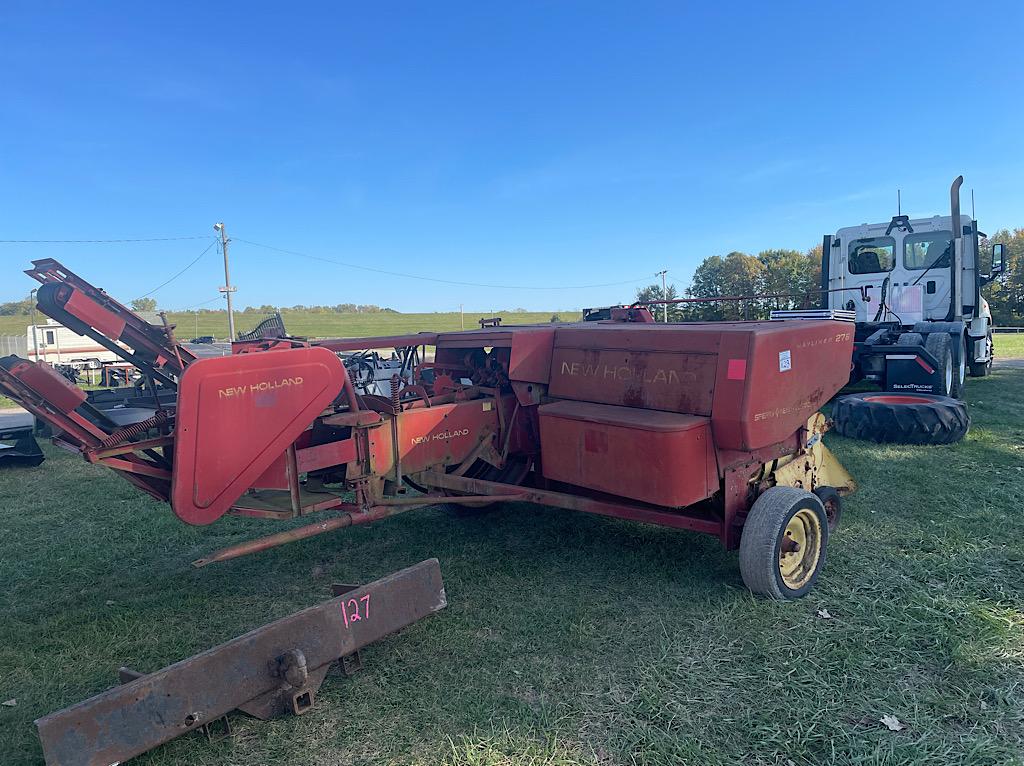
x: 907, y: 280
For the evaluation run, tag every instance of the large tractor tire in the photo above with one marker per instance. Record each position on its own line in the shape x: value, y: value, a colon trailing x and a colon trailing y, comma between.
x: 782, y: 547
x: 898, y: 418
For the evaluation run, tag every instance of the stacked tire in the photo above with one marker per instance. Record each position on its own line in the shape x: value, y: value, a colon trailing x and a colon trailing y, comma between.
x: 897, y: 418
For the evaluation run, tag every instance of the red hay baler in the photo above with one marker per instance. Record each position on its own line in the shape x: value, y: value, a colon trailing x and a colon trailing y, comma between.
x: 711, y: 427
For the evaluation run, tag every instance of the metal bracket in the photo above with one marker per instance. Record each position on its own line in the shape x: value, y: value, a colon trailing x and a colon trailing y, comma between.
x: 263, y: 673
x: 351, y: 664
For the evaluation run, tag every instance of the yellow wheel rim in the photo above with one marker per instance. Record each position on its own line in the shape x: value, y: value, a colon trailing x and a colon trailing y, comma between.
x: 800, y: 549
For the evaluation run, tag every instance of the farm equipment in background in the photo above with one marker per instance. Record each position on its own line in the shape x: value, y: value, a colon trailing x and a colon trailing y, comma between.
x: 710, y: 427
x: 25, y: 449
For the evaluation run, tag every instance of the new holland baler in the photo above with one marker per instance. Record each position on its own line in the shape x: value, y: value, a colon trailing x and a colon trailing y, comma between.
x: 709, y: 427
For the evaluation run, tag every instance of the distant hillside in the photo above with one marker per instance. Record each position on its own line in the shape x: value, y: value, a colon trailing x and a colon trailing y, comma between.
x: 323, y: 325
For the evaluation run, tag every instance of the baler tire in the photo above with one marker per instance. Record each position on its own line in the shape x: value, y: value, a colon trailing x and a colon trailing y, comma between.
x: 885, y: 419
x: 768, y: 524
x: 833, y: 503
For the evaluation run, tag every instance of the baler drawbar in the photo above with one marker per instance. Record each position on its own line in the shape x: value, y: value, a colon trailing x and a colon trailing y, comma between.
x: 711, y: 427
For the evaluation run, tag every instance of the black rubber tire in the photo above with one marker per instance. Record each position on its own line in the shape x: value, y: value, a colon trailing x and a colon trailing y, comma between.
x: 910, y: 339
x: 762, y: 536
x: 833, y: 503
x: 959, y: 347
x: 514, y: 472
x: 881, y: 417
x: 940, y: 346
x: 981, y: 369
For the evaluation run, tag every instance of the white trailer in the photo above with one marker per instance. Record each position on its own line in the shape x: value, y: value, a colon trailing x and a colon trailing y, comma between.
x: 56, y: 344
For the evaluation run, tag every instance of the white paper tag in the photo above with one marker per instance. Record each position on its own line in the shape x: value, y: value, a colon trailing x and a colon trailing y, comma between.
x: 785, y: 361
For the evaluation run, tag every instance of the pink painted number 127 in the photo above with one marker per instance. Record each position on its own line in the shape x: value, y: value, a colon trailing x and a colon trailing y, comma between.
x: 351, y: 611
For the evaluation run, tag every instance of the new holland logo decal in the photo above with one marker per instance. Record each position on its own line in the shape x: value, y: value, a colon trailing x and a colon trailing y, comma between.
x: 259, y: 387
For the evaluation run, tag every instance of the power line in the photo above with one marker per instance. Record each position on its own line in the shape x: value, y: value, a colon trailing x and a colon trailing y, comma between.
x: 432, y: 279
x: 204, y: 303
x: 91, y: 241
x: 190, y: 265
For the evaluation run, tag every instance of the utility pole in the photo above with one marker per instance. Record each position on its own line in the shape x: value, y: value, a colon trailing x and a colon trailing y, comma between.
x: 35, y: 332
x: 664, y: 294
x: 227, y: 289
x: 462, y: 317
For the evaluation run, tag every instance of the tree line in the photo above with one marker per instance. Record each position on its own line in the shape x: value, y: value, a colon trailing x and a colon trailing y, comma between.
x: 1005, y: 294
x: 799, y: 274
x: 24, y: 307
x: 789, y: 273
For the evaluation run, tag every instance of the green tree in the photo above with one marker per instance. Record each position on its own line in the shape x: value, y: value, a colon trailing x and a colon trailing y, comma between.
x: 16, y: 308
x: 144, y: 304
x: 790, y: 271
x: 1005, y: 294
x: 736, y: 274
x: 676, y: 312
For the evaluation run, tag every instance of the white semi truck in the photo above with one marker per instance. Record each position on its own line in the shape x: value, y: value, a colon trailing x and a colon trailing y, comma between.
x: 914, y: 286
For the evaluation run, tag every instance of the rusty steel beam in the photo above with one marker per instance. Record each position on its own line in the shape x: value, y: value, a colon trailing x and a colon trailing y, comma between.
x: 620, y: 510
x: 384, y: 509
x: 270, y: 671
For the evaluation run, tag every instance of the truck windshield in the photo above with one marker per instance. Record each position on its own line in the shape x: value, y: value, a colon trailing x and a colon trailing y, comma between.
x: 931, y: 248
x: 872, y: 255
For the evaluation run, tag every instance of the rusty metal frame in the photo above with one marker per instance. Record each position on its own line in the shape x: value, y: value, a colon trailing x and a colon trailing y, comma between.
x: 495, y: 491
x: 270, y: 671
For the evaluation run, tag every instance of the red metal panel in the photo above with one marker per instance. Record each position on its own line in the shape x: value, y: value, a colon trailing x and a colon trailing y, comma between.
x: 531, y: 355
x: 661, y: 367
x: 792, y: 368
x: 696, y: 338
x: 48, y: 384
x: 236, y: 415
x: 730, y: 390
x: 275, y: 476
x: 326, y: 455
x: 94, y: 315
x: 444, y: 434
x: 659, y: 380
x: 655, y: 457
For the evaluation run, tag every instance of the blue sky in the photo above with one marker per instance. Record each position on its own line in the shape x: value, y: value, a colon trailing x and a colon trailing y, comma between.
x: 540, y: 145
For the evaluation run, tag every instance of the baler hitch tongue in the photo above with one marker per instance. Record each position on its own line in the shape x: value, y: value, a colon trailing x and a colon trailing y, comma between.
x: 268, y: 672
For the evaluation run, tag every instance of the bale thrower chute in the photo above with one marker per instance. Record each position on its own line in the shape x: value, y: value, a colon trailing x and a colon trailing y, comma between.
x: 704, y: 426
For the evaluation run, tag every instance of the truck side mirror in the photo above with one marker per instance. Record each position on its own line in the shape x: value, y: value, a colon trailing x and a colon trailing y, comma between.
x: 998, y: 259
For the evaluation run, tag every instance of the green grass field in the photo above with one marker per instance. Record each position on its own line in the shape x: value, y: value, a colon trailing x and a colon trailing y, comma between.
x: 1009, y: 345
x: 569, y: 639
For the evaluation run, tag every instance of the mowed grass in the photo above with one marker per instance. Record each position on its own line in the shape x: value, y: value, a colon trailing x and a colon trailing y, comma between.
x: 1009, y: 345
x: 308, y: 324
x: 568, y: 639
